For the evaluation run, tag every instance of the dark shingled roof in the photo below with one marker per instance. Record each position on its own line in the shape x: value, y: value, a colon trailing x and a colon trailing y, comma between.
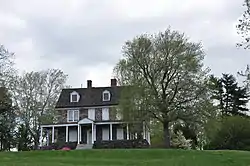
x: 89, y: 97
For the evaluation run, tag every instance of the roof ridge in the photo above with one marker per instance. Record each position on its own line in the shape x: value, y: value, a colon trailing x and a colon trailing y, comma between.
x: 100, y: 87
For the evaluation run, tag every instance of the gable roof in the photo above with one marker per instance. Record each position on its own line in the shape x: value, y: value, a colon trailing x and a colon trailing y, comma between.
x: 85, y: 121
x: 89, y: 97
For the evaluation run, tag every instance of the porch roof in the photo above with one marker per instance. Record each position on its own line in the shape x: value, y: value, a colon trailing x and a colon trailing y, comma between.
x: 86, y: 121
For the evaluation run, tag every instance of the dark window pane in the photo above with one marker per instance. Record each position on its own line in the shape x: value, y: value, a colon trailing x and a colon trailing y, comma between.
x: 76, y: 116
x: 74, y: 98
x: 105, y: 96
x: 70, y: 116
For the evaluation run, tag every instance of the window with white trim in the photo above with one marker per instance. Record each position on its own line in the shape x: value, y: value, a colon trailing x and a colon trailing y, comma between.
x: 106, y: 95
x: 74, y: 97
x: 73, y: 116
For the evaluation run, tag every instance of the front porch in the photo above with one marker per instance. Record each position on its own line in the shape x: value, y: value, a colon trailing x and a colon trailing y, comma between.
x: 87, y: 132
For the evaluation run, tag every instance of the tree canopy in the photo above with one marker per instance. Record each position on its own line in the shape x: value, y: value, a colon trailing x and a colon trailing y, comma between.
x: 35, y: 94
x: 165, y: 74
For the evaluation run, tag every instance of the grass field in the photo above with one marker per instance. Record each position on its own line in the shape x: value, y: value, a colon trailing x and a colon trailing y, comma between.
x: 147, y: 157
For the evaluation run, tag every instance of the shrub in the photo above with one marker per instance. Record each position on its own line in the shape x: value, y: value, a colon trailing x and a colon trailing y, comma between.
x: 180, y: 142
x: 231, y: 133
x: 59, y: 145
x: 115, y: 144
x: 71, y: 145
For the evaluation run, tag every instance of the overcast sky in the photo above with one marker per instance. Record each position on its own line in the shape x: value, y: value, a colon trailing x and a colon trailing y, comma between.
x: 84, y: 37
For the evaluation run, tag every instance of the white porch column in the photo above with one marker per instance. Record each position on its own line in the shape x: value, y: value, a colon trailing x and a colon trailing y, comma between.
x: 48, y: 135
x: 148, y: 133
x: 41, y: 136
x: 110, y: 132
x: 67, y: 133
x: 127, y: 132
x: 53, y: 134
x: 78, y: 134
x: 92, y: 133
x: 144, y: 130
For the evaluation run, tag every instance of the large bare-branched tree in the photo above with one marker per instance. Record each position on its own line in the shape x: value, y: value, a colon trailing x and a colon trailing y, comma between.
x: 243, y: 26
x: 165, y: 78
x: 35, y: 94
x: 6, y: 65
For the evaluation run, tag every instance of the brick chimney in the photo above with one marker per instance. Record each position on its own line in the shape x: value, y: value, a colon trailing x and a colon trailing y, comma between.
x: 113, y: 82
x: 89, y: 84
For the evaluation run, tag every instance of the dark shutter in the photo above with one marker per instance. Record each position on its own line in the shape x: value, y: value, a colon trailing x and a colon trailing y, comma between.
x: 98, y: 114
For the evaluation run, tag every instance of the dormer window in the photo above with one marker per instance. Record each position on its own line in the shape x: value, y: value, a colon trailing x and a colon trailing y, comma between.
x: 106, y: 95
x: 74, y: 97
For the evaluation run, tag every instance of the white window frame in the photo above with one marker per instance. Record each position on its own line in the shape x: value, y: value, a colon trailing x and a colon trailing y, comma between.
x: 73, y: 120
x: 103, y: 94
x: 71, y: 97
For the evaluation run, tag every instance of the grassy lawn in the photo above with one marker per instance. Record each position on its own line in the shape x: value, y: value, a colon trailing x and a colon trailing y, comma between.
x: 145, y: 157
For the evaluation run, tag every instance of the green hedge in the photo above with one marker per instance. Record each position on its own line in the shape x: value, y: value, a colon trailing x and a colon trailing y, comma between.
x: 121, y: 144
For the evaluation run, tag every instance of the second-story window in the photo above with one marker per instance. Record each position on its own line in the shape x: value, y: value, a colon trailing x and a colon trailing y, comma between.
x: 73, y: 115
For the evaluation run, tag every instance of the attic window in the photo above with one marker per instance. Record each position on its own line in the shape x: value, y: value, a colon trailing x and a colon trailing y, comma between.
x: 105, y: 95
x: 74, y: 97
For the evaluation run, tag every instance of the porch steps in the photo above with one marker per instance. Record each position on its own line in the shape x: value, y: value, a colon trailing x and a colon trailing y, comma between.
x: 84, y: 146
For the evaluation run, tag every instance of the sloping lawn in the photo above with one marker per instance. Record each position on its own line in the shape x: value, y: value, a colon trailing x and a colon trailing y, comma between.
x: 151, y: 157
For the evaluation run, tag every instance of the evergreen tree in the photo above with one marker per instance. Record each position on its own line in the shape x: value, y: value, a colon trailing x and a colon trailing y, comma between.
x: 7, y: 121
x: 232, y: 98
x: 240, y: 99
x: 23, y: 138
x: 229, y: 85
x: 216, y: 88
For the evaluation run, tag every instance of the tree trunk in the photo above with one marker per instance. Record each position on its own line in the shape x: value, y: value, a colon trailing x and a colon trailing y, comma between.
x: 36, y: 141
x: 166, y: 134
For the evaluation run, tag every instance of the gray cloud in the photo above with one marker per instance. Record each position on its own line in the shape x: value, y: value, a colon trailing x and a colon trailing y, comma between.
x: 91, y: 36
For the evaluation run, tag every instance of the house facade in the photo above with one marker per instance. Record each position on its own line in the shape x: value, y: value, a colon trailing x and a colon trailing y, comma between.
x: 86, y: 115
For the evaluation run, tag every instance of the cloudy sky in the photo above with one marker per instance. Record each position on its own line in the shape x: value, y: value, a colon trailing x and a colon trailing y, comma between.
x: 84, y: 37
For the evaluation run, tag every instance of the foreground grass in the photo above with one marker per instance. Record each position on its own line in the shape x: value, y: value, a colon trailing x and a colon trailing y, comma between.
x: 157, y: 157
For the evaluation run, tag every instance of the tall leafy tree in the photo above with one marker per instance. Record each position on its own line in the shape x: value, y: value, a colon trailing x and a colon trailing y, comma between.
x: 243, y: 26
x: 165, y: 78
x: 232, y: 98
x: 35, y: 94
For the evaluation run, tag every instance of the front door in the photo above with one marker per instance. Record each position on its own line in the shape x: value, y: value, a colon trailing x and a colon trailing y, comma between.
x: 89, y: 137
x: 84, y: 135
